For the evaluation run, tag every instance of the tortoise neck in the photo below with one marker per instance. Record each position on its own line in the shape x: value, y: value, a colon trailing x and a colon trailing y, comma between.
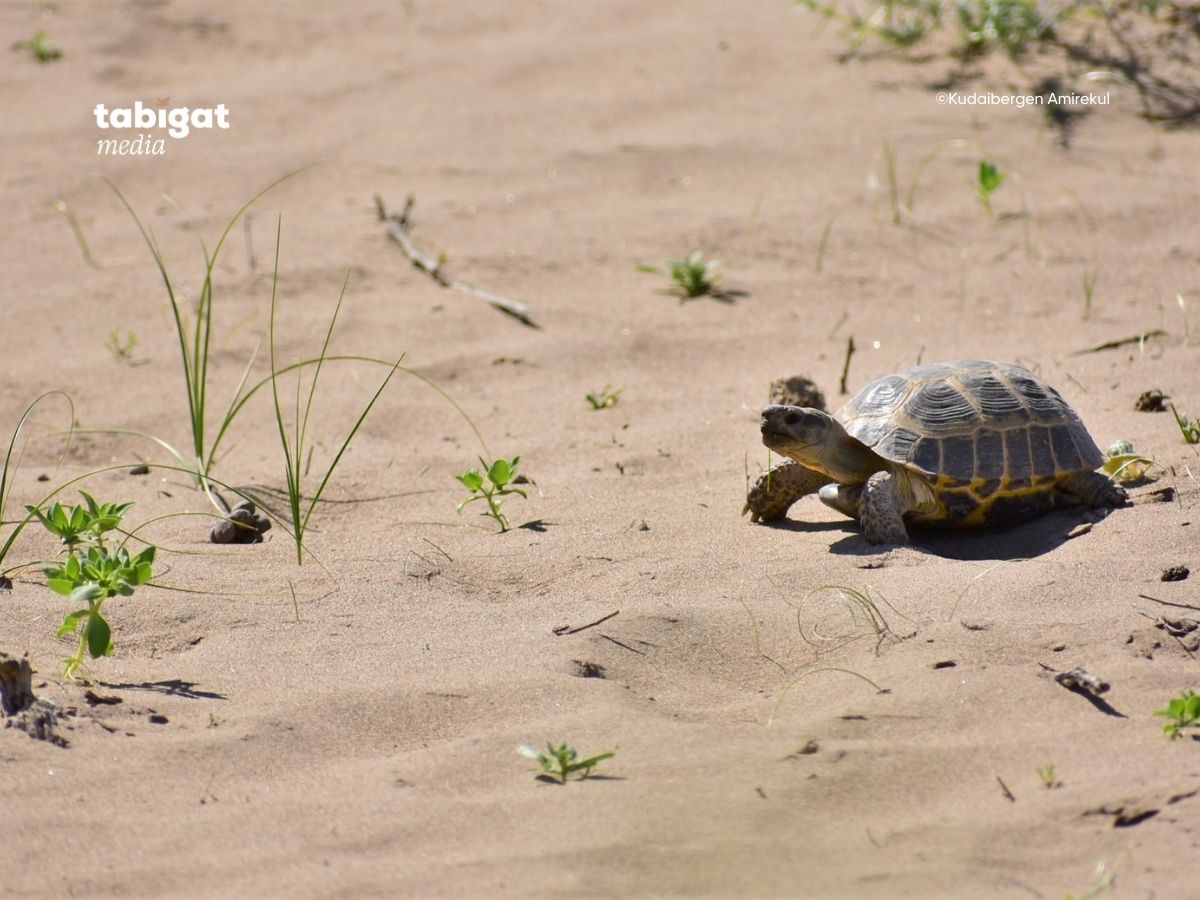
x: 846, y: 460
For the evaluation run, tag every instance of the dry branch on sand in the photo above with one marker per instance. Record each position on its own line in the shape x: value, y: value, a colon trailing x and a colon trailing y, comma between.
x: 398, y: 228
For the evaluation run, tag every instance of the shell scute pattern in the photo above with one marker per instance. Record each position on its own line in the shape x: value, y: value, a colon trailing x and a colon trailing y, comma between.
x: 1018, y: 459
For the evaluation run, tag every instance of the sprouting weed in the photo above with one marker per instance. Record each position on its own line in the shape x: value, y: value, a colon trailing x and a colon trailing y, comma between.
x: 1183, y: 712
x: 603, y: 399
x: 989, y: 181
x: 41, y: 47
x: 1188, y: 427
x: 121, y: 344
x: 559, y: 763
x: 490, y: 485
x: 694, y: 277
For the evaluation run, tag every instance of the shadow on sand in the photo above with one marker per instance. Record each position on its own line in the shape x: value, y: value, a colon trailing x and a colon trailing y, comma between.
x: 172, y: 688
x: 1026, y: 541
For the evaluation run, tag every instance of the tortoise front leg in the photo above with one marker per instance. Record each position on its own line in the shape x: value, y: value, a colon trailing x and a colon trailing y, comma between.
x: 778, y: 488
x: 881, y: 509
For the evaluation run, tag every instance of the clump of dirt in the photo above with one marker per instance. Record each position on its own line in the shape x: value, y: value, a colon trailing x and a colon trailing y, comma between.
x: 41, y: 721
x: 16, y: 691
x: 797, y: 391
x: 1151, y: 401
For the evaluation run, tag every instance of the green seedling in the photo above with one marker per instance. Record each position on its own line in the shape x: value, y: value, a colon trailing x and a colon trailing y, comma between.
x: 121, y: 344
x: 1183, y: 712
x: 1188, y: 427
x: 989, y: 181
x: 491, y: 486
x: 43, y: 49
x: 603, y: 399
x: 92, y: 572
x: 561, y: 762
x: 694, y: 277
x: 195, y: 340
x: 83, y: 525
x: 293, y: 447
x: 93, y: 579
x: 1123, y: 465
x: 1048, y: 776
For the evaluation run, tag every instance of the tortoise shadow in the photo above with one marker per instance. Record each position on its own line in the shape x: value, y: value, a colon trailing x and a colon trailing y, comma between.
x: 1024, y: 541
x: 803, y: 526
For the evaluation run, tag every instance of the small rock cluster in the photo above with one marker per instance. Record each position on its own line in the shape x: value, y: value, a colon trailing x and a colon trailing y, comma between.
x: 245, y: 525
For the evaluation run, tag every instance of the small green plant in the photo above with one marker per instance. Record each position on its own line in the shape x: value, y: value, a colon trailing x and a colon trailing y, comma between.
x: 603, y: 399
x: 293, y: 447
x: 194, y: 332
x: 1188, y: 427
x: 491, y: 486
x: 1123, y: 465
x: 121, y: 344
x: 92, y: 573
x: 43, y: 49
x: 694, y: 276
x: 82, y: 525
x: 559, y: 763
x: 1183, y: 712
x: 989, y: 180
x: 1048, y: 775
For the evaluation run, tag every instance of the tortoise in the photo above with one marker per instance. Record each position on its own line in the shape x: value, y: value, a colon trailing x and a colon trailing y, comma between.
x: 948, y: 444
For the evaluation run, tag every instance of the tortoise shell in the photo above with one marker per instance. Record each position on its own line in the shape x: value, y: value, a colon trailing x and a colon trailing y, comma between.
x: 992, y: 440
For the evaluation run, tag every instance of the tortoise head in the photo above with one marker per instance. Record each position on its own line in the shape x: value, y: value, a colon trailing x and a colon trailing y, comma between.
x: 817, y: 440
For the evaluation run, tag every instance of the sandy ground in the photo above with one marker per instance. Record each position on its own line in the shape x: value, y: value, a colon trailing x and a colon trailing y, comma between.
x: 362, y: 741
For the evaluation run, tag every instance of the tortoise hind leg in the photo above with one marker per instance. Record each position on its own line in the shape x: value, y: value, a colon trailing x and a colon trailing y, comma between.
x: 778, y: 488
x: 1096, y: 490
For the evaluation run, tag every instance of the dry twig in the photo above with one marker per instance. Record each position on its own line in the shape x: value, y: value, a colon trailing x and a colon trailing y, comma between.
x: 398, y: 228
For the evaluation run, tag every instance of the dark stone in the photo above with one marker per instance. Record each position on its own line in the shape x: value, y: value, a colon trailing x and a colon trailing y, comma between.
x: 1175, y: 573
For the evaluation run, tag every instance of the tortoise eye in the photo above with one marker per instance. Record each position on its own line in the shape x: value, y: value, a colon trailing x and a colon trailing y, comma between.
x: 792, y: 418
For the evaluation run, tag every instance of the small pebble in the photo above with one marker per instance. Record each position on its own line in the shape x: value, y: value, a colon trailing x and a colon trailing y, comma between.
x: 1175, y: 573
